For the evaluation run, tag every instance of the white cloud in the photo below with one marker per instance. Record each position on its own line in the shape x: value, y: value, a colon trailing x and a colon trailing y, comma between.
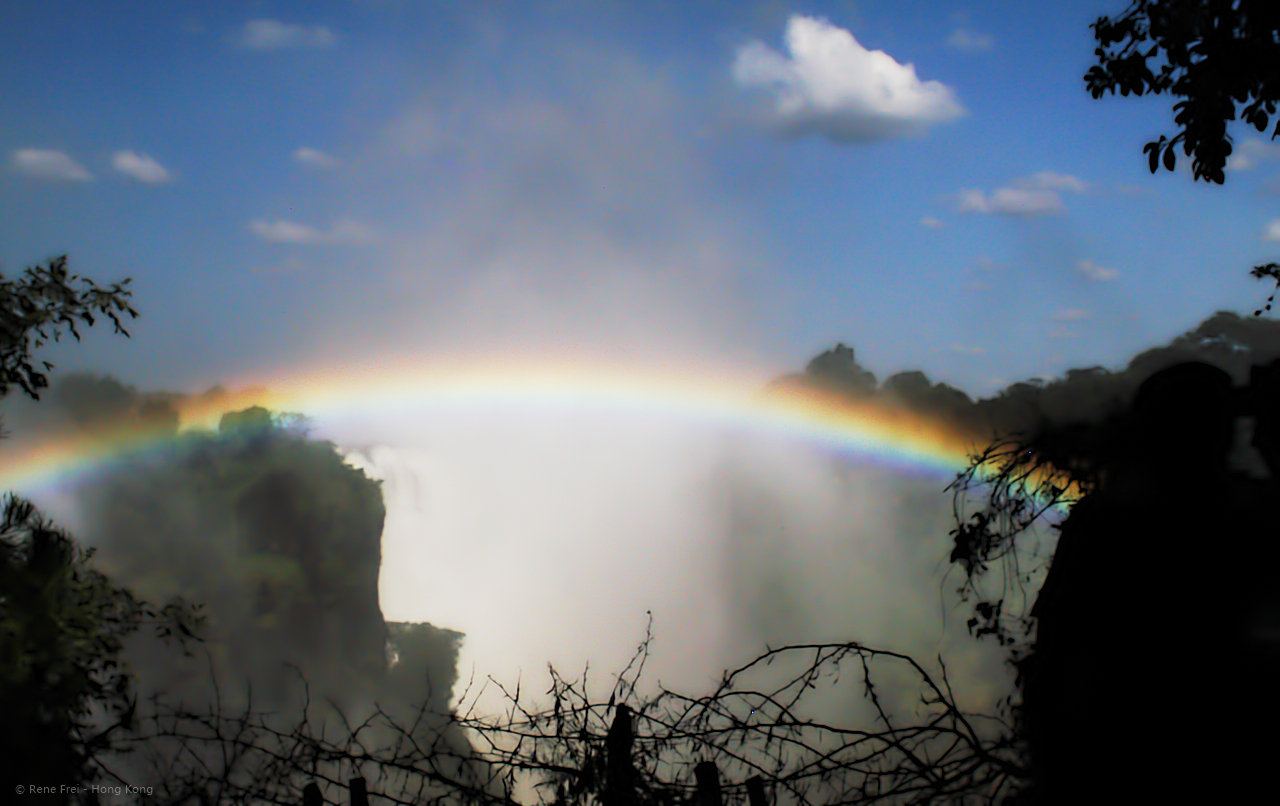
x: 276, y: 35
x: 930, y: 222
x: 1048, y: 180
x: 140, y: 167
x: 1010, y: 201
x: 1250, y: 153
x: 1070, y: 315
x: 1272, y: 231
x: 1033, y: 195
x: 967, y: 349
x: 1095, y: 272
x: 345, y: 233
x: 967, y: 40
x: 314, y: 158
x: 47, y: 163
x: 830, y: 85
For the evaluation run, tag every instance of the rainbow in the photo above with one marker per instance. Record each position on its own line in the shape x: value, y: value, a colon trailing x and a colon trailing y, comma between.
x: 872, y: 433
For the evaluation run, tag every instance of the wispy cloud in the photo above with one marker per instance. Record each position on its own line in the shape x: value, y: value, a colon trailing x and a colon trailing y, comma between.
x: 314, y: 157
x: 140, y: 167
x: 1095, y: 272
x: 1010, y: 201
x: 968, y: 40
x: 1272, y: 231
x: 1037, y: 194
x: 47, y: 163
x: 342, y: 233
x: 828, y: 84
x: 930, y: 222
x: 967, y: 349
x: 1049, y: 180
x: 276, y: 35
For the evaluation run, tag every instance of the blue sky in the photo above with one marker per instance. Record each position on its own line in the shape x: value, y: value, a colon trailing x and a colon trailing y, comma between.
x: 742, y: 184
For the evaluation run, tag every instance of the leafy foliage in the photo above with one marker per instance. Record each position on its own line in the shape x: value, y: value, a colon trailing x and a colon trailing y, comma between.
x: 1216, y: 54
x: 43, y: 304
x: 1271, y: 270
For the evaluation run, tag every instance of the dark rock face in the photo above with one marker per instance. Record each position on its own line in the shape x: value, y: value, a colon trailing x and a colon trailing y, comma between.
x: 280, y: 541
x: 274, y: 533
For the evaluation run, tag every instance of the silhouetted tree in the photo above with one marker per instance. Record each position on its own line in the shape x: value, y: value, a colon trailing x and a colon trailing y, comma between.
x: 1214, y: 55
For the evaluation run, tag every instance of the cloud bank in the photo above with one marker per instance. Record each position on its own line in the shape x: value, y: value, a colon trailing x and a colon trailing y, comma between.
x: 828, y: 84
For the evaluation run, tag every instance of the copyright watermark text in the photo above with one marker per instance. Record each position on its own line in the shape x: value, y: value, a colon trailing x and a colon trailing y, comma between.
x: 97, y: 789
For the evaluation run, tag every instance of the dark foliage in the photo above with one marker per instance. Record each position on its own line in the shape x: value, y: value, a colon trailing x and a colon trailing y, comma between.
x: 45, y: 303
x: 64, y: 692
x: 1221, y: 57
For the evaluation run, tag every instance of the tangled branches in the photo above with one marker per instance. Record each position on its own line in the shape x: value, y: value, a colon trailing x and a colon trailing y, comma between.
x: 759, y: 723
x: 758, y: 727
x: 184, y: 755
x: 1022, y: 482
